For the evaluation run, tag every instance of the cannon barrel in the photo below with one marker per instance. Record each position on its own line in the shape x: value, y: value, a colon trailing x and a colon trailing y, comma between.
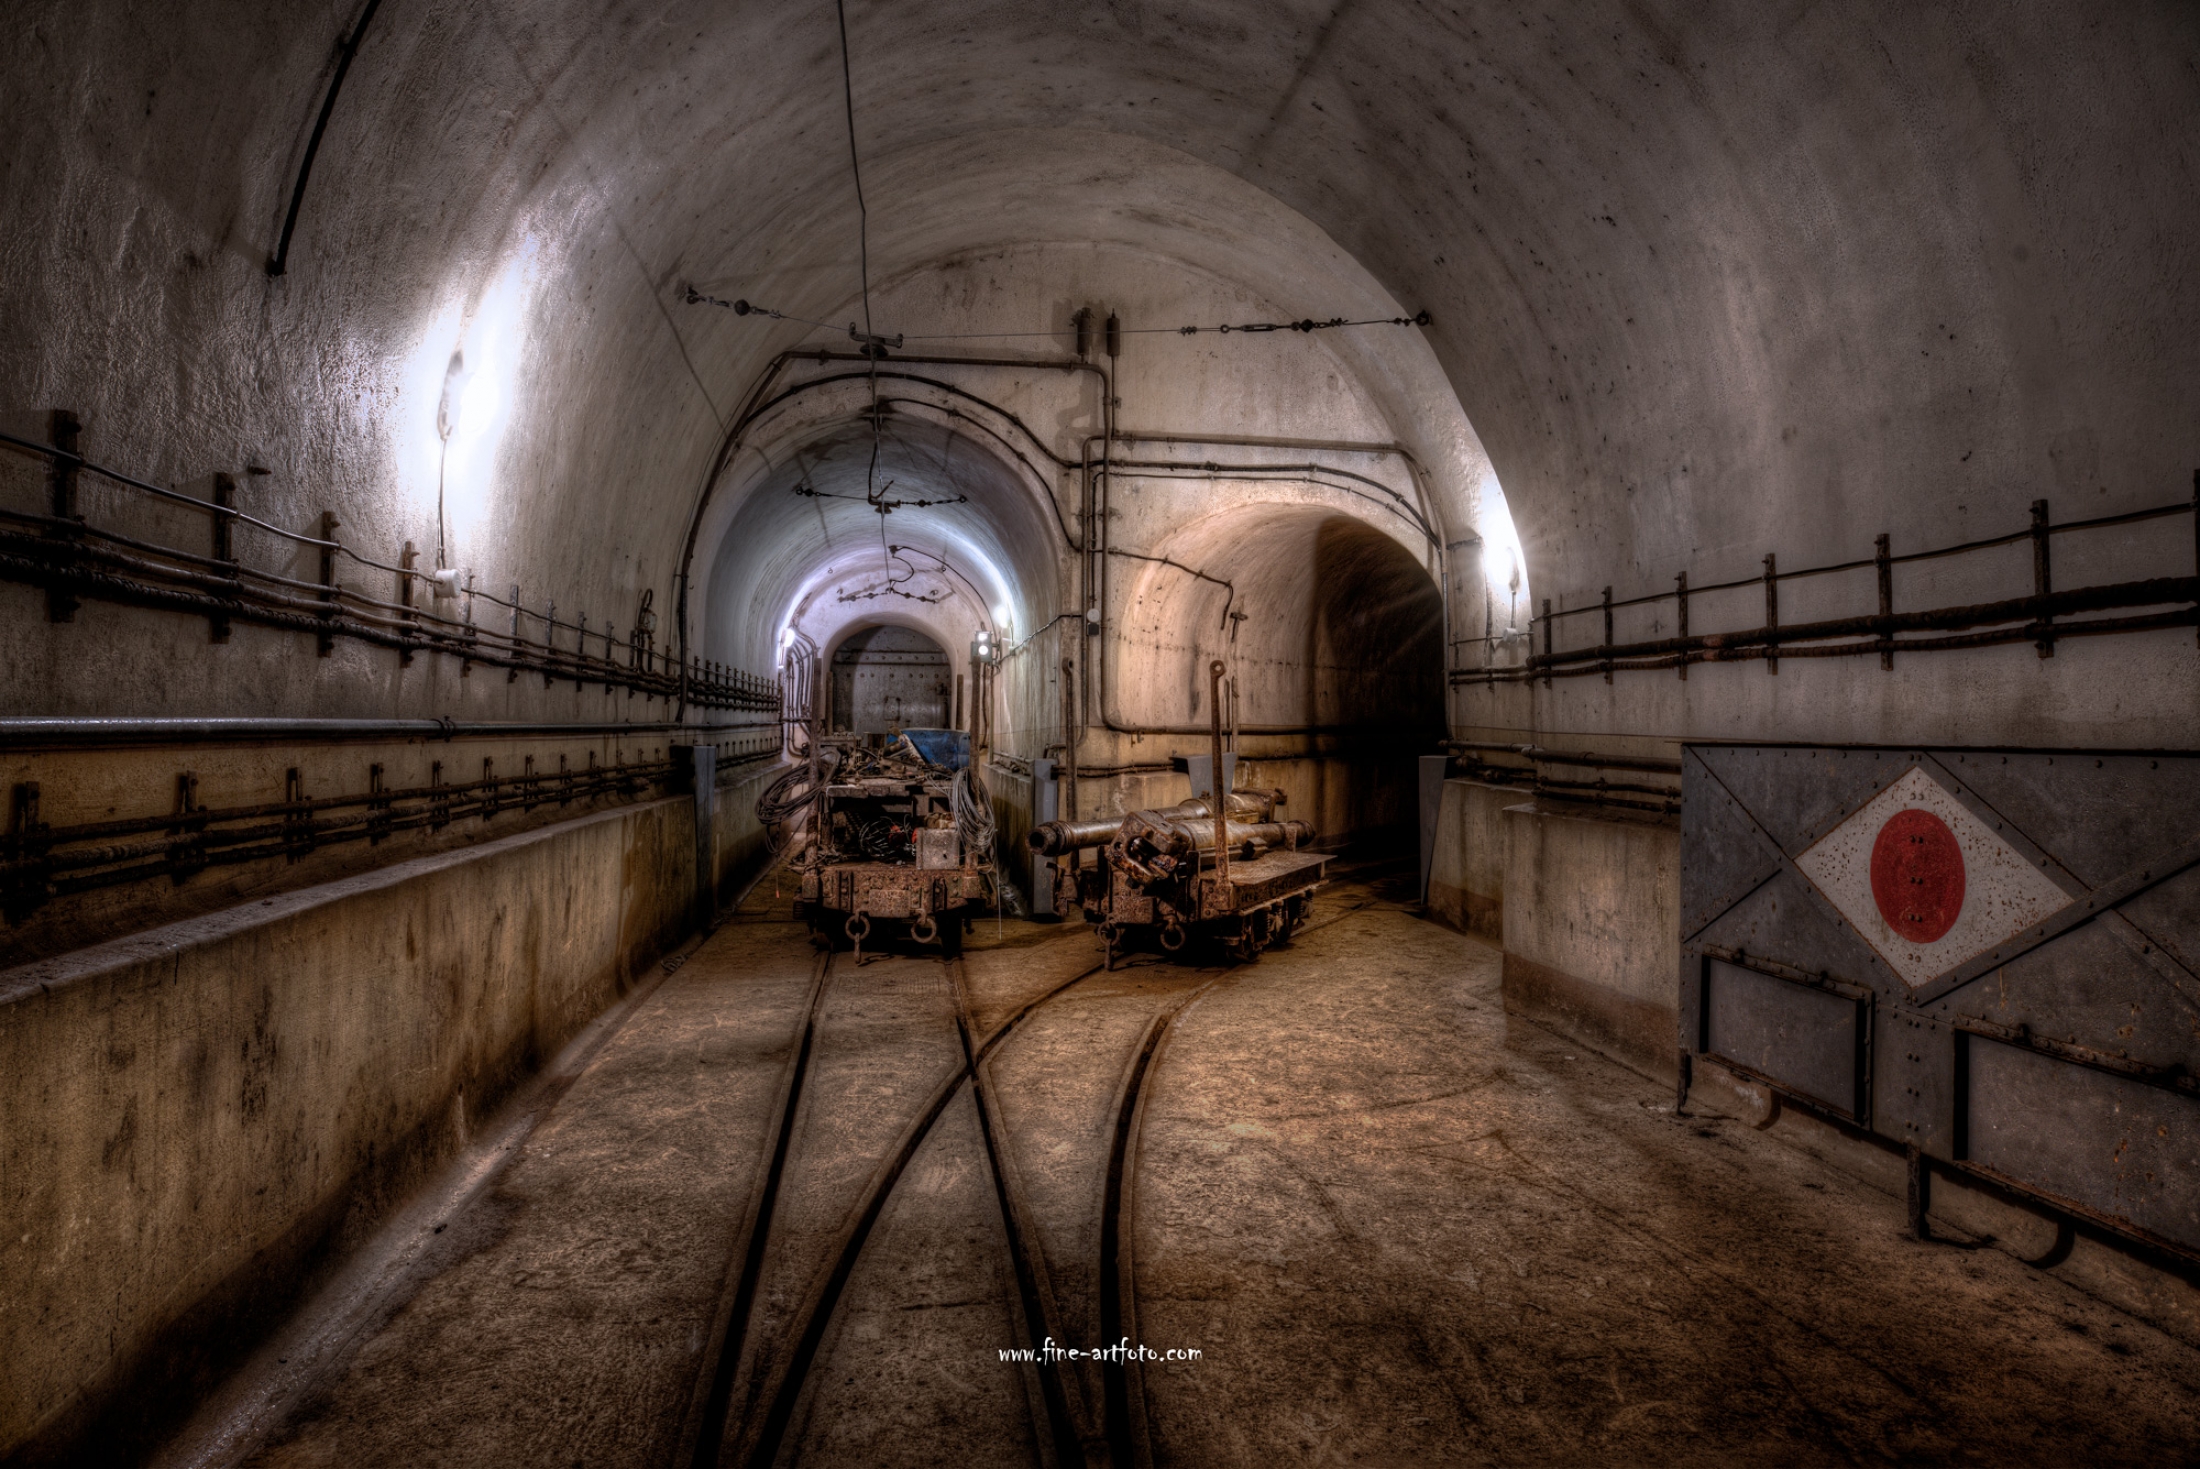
x: 1201, y: 834
x: 1059, y: 838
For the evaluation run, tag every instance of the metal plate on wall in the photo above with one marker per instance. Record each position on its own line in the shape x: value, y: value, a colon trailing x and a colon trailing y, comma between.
x: 1803, y: 1038
x: 2036, y: 905
x: 2119, y: 1149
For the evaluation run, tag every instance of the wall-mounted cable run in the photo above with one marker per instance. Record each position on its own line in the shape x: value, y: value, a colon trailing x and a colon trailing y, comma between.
x: 2042, y: 617
x: 41, y: 862
x: 74, y: 560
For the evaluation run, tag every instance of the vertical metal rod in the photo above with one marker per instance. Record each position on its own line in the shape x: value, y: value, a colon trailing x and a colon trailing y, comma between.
x: 1546, y: 641
x: 225, y: 500
x: 61, y: 482
x: 1215, y: 796
x: 1920, y: 1193
x: 550, y: 643
x: 511, y: 675
x: 1681, y: 594
x: 1883, y: 557
x: 2043, y: 579
x: 329, y: 525
x: 1772, y: 613
x: 408, y: 561
x: 1069, y: 742
x: 1607, y: 632
x: 2196, y: 539
x: 466, y: 664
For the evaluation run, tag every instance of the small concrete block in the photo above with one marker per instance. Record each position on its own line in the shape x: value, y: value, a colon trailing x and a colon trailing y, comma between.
x: 1715, y: 1089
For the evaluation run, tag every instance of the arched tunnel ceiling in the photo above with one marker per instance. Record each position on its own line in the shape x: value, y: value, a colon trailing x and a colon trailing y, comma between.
x: 1706, y: 279
x: 808, y: 527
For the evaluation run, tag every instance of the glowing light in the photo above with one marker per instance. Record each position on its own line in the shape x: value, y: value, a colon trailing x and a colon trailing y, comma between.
x: 1504, y: 564
x: 459, y: 397
x: 1501, y: 566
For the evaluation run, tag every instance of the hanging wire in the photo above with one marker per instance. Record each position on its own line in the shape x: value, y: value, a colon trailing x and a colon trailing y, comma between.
x: 745, y: 308
x: 863, y: 257
x: 855, y: 166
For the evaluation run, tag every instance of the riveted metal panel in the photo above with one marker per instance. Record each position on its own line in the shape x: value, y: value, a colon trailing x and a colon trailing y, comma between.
x: 1806, y: 1039
x: 2117, y: 1148
x: 1913, y: 1080
x: 2025, y: 925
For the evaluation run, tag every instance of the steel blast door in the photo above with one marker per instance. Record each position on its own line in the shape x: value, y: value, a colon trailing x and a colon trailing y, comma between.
x: 1992, y: 955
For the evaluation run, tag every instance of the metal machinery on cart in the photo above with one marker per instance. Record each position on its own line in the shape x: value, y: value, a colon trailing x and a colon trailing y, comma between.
x: 900, y: 838
x: 1225, y: 871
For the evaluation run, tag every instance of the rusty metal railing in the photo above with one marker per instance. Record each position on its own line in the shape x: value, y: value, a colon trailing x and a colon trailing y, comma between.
x: 73, y: 560
x: 2041, y: 618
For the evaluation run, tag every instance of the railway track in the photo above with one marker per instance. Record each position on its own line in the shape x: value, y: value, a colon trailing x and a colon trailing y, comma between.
x: 1082, y: 1416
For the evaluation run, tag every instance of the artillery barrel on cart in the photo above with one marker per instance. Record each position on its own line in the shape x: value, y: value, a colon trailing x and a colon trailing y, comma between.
x: 1159, y: 876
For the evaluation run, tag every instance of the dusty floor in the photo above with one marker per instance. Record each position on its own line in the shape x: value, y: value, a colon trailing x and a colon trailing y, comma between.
x: 1398, y: 1225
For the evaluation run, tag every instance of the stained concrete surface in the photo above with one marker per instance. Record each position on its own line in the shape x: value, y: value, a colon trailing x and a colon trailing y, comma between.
x: 1399, y: 1225
x: 568, y: 1324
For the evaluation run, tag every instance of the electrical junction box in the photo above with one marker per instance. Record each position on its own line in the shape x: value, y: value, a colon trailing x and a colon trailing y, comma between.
x: 937, y: 849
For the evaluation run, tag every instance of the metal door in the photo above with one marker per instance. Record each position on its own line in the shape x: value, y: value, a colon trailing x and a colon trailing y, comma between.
x: 1991, y: 955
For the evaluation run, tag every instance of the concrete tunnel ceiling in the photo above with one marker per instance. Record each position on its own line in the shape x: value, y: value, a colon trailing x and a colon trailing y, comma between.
x: 807, y: 540
x: 1700, y: 282
x: 1153, y: 235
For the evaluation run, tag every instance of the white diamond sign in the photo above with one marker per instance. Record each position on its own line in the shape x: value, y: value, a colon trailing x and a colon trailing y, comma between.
x: 1926, y: 882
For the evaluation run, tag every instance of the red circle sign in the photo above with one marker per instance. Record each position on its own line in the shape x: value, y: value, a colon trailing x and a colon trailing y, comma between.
x: 1917, y: 875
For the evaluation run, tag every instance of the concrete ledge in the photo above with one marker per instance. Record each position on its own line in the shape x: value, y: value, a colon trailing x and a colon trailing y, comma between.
x: 1592, y: 929
x: 1636, y: 1033
x: 1468, y: 912
x: 1466, y: 886
x: 193, y: 1120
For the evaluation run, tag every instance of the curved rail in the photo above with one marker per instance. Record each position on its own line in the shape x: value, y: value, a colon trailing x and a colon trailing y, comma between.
x: 761, y: 1437
x: 1129, y: 1442
x: 1074, y: 1430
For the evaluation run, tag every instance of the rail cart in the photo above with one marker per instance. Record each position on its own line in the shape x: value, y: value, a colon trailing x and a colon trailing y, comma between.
x: 1231, y: 874
x: 899, y: 845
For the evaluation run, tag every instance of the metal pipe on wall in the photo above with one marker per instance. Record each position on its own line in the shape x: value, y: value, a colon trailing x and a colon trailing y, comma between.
x: 42, y: 732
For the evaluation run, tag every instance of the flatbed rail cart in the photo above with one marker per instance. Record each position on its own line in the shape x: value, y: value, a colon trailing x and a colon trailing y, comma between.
x: 1228, y: 871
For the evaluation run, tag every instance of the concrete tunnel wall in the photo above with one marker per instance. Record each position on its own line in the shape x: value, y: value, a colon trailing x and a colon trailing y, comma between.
x: 202, y: 1117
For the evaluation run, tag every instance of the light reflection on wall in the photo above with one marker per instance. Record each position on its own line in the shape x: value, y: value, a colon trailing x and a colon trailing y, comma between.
x: 474, y: 351
x: 1504, y: 564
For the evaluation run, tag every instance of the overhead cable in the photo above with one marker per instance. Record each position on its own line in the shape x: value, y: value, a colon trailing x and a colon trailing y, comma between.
x: 866, y: 336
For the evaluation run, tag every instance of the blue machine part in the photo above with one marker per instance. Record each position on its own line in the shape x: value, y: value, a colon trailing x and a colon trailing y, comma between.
x: 949, y: 748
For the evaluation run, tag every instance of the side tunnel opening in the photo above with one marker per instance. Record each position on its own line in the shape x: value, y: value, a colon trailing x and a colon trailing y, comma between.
x: 1332, y: 633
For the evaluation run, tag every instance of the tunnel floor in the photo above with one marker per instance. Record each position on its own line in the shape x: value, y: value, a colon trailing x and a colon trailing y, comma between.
x: 1397, y: 1224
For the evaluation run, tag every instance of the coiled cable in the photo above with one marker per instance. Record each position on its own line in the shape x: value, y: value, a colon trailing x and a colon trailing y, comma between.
x: 973, y: 808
